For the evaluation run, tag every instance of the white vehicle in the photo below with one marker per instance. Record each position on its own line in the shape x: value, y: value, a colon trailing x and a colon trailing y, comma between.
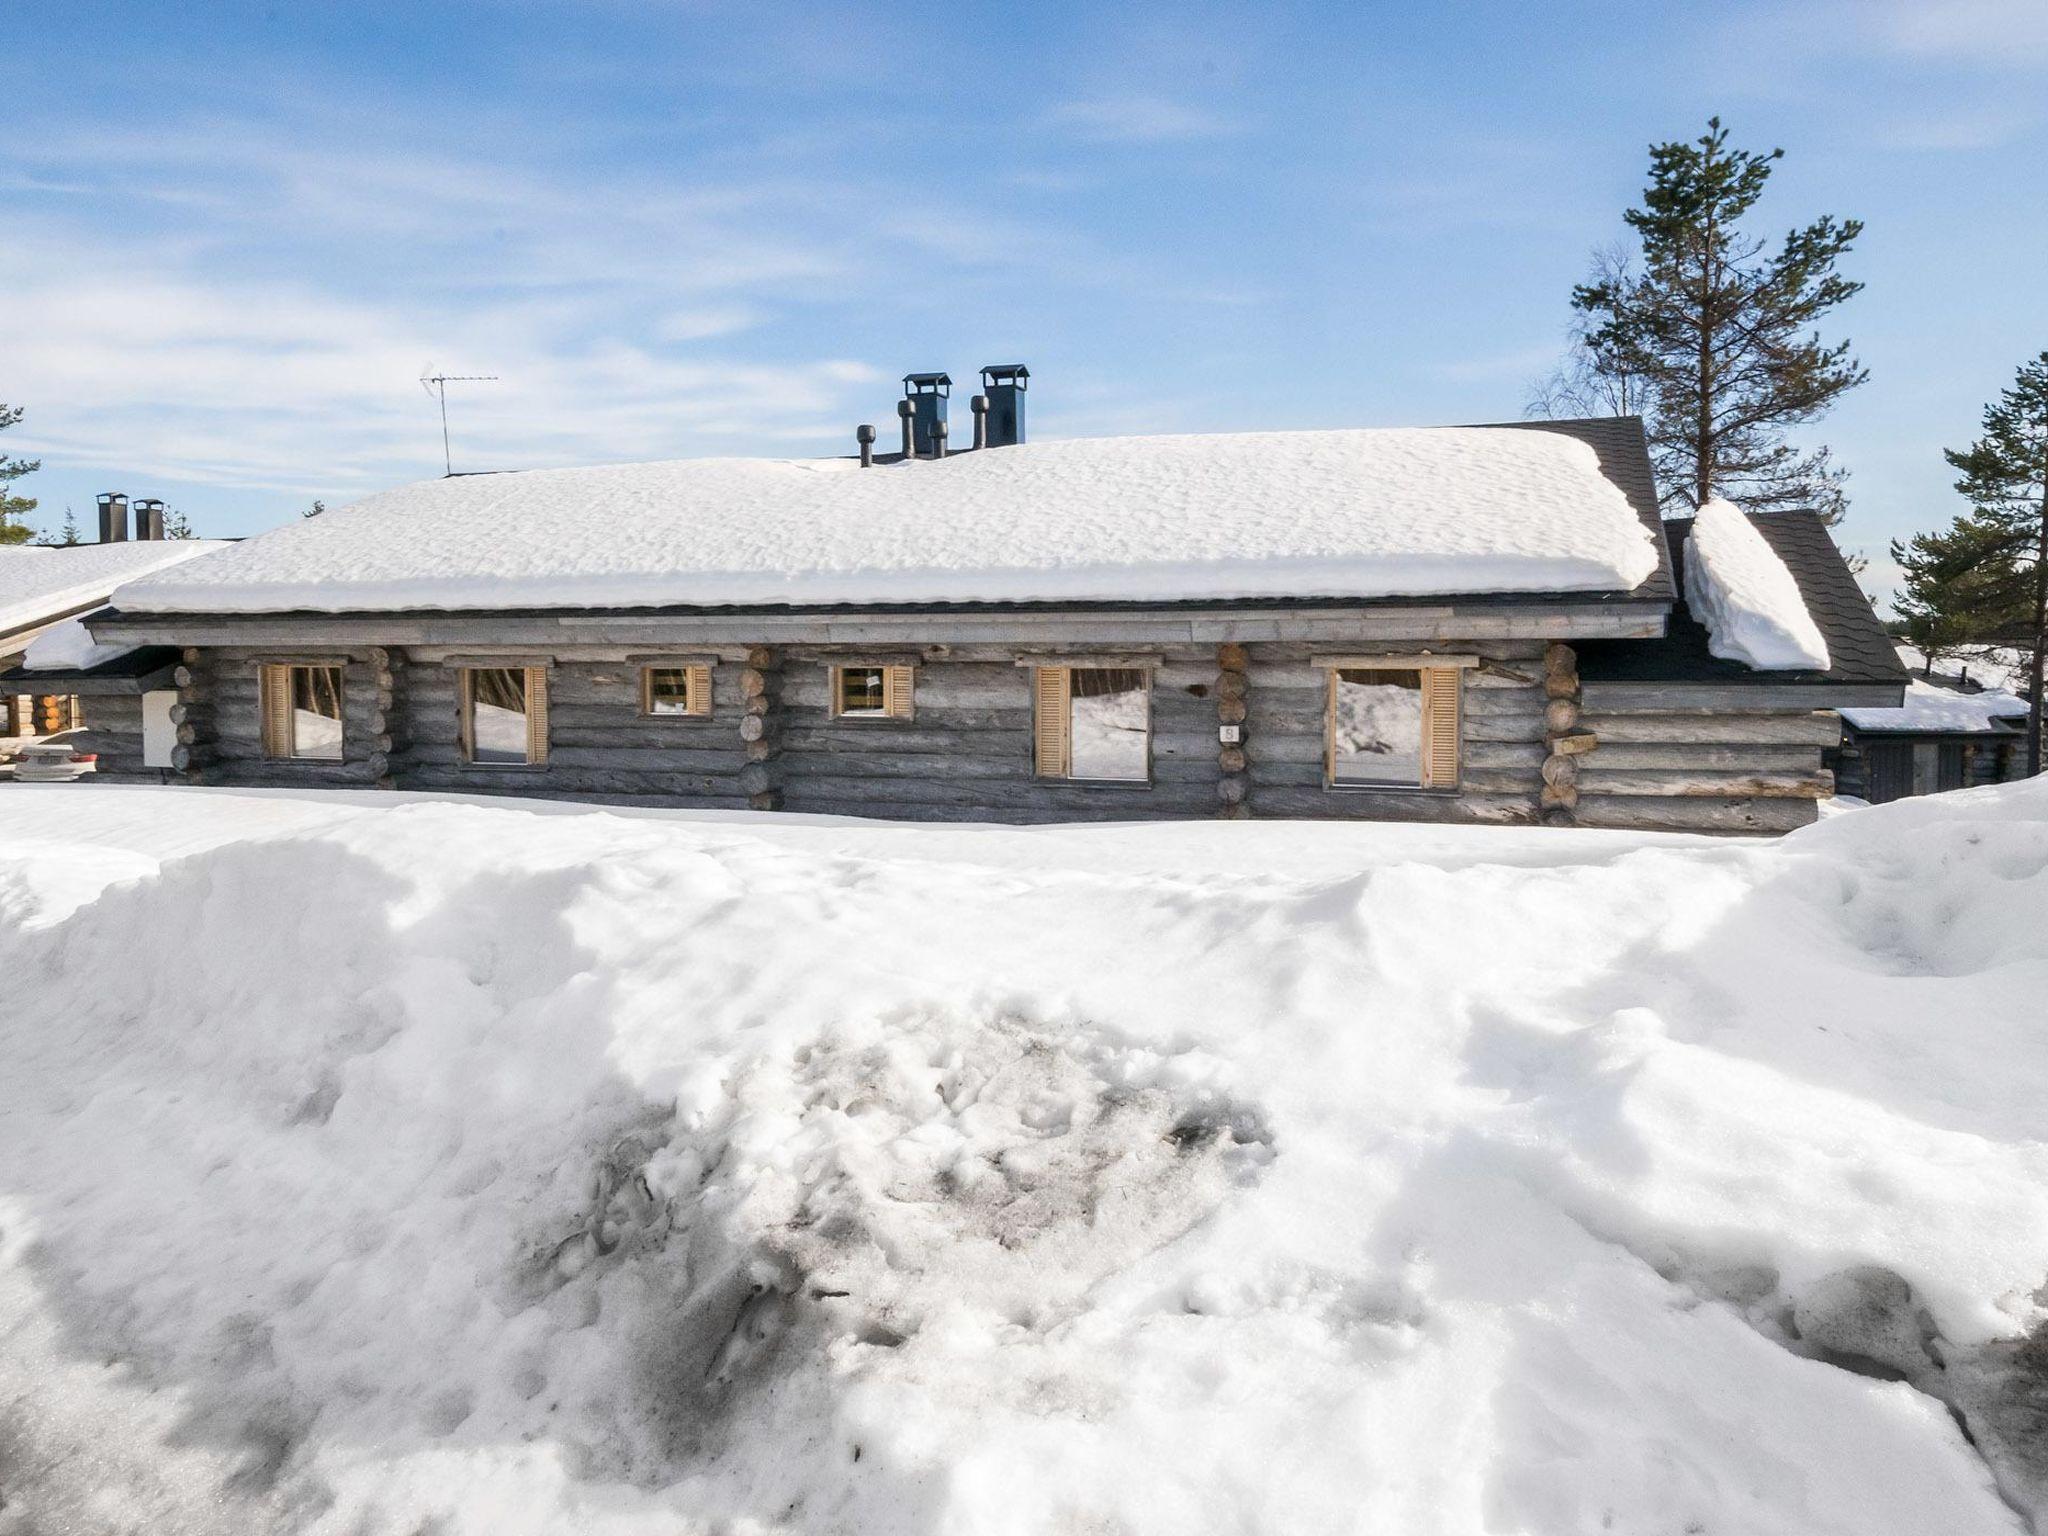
x: 52, y: 762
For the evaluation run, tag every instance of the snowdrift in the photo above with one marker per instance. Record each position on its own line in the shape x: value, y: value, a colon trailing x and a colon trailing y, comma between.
x: 391, y: 1164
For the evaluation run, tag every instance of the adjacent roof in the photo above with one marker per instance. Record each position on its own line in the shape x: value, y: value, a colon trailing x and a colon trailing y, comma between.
x: 39, y: 585
x: 1859, y: 650
x: 1318, y: 515
x: 126, y: 671
x: 1943, y: 706
x: 1932, y: 710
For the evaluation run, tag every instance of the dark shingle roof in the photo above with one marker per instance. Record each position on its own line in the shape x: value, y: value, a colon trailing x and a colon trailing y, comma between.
x: 1859, y: 651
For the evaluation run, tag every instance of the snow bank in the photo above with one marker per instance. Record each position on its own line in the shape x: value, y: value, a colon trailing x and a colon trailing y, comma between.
x: 1276, y: 514
x: 1736, y: 586
x: 69, y: 647
x: 1930, y: 707
x: 385, y: 1164
x: 38, y: 583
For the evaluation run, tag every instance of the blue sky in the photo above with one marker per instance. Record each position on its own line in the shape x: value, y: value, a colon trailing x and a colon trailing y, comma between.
x: 236, y: 235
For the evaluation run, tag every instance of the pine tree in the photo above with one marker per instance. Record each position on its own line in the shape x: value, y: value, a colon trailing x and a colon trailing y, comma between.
x: 1984, y: 581
x: 177, y: 525
x: 14, y: 508
x: 67, y: 537
x: 1717, y: 332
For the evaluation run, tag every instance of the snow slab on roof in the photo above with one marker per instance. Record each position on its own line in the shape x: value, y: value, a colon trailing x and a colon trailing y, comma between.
x: 1736, y: 586
x: 1930, y: 707
x: 1253, y: 515
x: 38, y: 583
x: 69, y: 647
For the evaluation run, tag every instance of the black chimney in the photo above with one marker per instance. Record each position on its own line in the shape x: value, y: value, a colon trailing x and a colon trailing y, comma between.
x: 149, y: 518
x: 1004, y: 384
x: 926, y: 394
x: 865, y: 436
x: 979, y: 405
x: 113, y: 517
x: 908, y: 412
x: 939, y: 438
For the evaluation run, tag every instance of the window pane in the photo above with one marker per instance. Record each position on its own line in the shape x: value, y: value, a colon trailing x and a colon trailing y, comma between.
x: 1111, y: 724
x: 1378, y: 726
x: 316, y: 713
x: 668, y: 690
x: 862, y: 692
x: 498, y: 725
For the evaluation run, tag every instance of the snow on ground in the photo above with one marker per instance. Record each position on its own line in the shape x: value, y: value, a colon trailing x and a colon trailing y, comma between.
x: 1736, y: 586
x: 69, y: 647
x: 1269, y: 514
x: 380, y: 1163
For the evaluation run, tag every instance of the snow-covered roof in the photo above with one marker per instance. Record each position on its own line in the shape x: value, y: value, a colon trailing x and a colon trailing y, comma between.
x: 39, y: 583
x: 1933, y: 708
x: 1368, y: 513
x: 69, y: 647
x: 1738, y: 587
x: 1990, y: 666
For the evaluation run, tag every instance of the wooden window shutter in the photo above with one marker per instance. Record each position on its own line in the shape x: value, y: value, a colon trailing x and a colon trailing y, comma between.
x: 275, y: 687
x: 900, y: 685
x: 1052, y: 696
x: 699, y: 686
x: 465, y: 713
x: 1440, y: 730
x: 536, y: 714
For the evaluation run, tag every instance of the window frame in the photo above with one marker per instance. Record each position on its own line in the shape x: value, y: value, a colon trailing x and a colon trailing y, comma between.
x: 536, y: 700
x: 1437, y: 676
x: 898, y: 678
x: 697, y: 690
x: 278, y: 722
x: 1039, y: 668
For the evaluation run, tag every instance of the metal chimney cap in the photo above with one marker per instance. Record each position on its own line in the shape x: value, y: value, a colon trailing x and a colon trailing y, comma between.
x: 927, y: 383
x: 905, y: 409
x: 978, y: 405
x: 864, y: 433
x: 1005, y: 373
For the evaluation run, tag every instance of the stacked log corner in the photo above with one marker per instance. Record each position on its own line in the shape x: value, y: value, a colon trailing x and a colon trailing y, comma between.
x: 1564, y: 742
x: 377, y: 724
x: 192, y: 714
x: 761, y: 729
x: 1233, y: 689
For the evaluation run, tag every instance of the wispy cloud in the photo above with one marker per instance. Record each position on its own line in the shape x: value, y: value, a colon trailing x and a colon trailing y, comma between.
x: 1137, y: 119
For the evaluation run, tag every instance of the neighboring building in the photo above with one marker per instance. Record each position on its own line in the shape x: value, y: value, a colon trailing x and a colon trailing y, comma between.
x: 1443, y: 624
x: 44, y: 587
x: 1950, y: 732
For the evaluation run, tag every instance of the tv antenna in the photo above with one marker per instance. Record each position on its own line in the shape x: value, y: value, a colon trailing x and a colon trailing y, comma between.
x: 436, y: 384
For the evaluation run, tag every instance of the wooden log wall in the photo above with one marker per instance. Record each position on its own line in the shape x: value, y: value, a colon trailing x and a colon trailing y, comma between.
x: 1233, y: 760
x: 600, y: 747
x: 1536, y: 744
x: 113, y: 733
x: 1690, y: 769
x: 966, y: 755
x: 219, y: 723
x: 1501, y: 753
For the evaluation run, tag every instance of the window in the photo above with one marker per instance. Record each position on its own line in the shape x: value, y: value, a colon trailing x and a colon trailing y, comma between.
x: 1094, y: 723
x: 1393, y: 728
x: 302, y: 712
x: 505, y: 715
x: 683, y: 690
x: 862, y: 692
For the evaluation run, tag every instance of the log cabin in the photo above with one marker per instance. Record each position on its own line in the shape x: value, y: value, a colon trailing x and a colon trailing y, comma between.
x: 45, y: 588
x: 1458, y: 624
